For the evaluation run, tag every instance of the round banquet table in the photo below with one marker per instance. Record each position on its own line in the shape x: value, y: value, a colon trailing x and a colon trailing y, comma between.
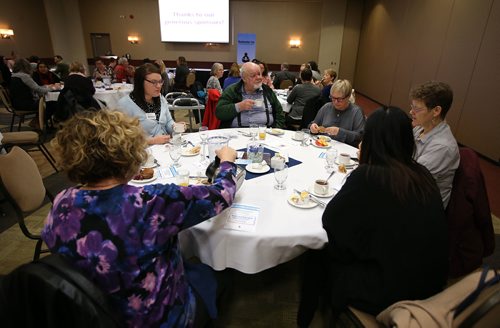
x: 110, y: 97
x: 282, y: 231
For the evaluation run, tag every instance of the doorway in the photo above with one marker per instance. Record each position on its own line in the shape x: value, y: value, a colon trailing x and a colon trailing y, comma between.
x: 101, y: 44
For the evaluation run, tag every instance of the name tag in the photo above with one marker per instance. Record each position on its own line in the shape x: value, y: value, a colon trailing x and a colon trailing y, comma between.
x: 151, y: 116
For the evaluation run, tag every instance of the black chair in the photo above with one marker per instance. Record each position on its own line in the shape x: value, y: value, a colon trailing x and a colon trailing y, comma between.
x: 51, y: 292
x: 311, y: 108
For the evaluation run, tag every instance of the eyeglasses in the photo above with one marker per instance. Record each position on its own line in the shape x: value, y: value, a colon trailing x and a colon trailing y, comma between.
x: 155, y: 83
x: 337, y: 99
x: 416, y: 109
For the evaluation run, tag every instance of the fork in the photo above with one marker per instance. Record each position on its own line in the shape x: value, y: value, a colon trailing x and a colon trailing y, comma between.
x: 313, y: 198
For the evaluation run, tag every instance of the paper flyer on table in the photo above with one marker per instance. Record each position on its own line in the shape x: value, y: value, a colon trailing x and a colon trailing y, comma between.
x: 168, y: 172
x: 242, y: 217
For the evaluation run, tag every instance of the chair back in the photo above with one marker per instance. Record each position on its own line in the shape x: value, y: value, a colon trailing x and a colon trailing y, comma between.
x: 285, y: 84
x: 41, y: 113
x: 5, y: 99
x: 51, y: 292
x: 22, y: 180
x: 311, y: 108
x: 470, y: 227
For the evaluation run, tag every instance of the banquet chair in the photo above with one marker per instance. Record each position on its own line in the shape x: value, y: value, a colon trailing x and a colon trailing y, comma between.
x: 52, y: 292
x: 30, y: 139
x: 470, y: 228
x: 5, y: 99
x: 311, y: 108
x: 23, y: 187
x: 285, y: 84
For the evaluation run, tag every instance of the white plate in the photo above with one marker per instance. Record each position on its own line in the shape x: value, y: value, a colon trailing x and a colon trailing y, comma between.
x: 293, y: 138
x: 330, y: 193
x: 276, y: 132
x: 144, y: 180
x: 323, y: 147
x: 326, y: 138
x: 351, y: 163
x: 309, y: 204
x: 187, y: 152
x: 264, y: 169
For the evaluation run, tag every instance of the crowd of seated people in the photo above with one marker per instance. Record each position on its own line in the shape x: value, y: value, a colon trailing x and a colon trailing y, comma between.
x: 420, y: 154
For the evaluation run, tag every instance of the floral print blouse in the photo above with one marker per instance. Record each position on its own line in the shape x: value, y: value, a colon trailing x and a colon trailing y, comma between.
x: 125, y: 239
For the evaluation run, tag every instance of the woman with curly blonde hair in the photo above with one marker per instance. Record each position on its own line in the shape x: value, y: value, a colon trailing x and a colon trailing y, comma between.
x: 125, y: 238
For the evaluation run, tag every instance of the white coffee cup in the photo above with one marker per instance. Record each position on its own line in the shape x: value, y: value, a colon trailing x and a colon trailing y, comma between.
x: 344, y: 158
x: 258, y: 102
x: 321, y: 187
x: 180, y: 127
x: 299, y: 135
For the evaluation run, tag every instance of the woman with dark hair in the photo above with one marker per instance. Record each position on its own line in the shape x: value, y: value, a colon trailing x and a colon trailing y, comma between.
x: 386, y: 228
x: 43, y: 76
x: 315, y: 70
x: 181, y: 73
x: 147, y: 104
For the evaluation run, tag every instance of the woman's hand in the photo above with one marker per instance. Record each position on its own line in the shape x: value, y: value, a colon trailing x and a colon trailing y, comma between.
x: 332, y: 130
x: 226, y: 154
x: 159, y: 140
x: 314, y: 128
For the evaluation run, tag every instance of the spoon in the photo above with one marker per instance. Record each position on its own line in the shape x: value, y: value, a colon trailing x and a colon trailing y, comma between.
x: 331, y: 174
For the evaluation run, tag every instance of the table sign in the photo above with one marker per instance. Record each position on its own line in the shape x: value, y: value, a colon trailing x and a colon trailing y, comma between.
x: 242, y: 217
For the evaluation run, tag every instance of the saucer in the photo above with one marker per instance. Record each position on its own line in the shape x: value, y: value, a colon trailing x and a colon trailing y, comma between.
x: 155, y: 164
x: 350, y: 165
x: 189, y: 151
x: 308, y: 204
x: 276, y: 132
x: 326, y: 138
x: 293, y: 138
x: 331, y: 192
x: 144, y: 180
x: 264, y: 169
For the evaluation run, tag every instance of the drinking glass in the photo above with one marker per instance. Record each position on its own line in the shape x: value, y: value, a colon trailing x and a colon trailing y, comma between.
x: 203, y: 130
x: 331, y: 156
x: 262, y: 132
x: 254, y: 130
x: 175, y: 154
x: 280, y: 174
x: 305, y: 139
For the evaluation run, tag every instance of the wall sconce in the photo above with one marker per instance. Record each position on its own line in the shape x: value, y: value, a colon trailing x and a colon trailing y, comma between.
x: 6, y: 33
x: 294, y: 43
x: 133, y: 39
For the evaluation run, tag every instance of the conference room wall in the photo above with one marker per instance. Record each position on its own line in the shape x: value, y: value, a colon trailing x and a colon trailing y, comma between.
x: 404, y: 43
x: 31, y: 31
x: 272, y: 22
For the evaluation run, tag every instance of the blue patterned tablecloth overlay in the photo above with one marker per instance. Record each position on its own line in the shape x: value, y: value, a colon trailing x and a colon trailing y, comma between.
x: 250, y: 175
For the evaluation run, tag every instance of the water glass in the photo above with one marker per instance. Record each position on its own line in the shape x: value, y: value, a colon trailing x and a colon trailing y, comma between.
x: 203, y: 130
x: 175, y: 154
x: 182, y: 177
x: 254, y: 130
x: 255, y: 152
x: 305, y: 139
x: 280, y: 174
x: 331, y: 156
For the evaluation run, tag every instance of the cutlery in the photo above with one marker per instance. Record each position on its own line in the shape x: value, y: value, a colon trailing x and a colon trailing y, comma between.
x: 331, y: 174
x: 192, y: 144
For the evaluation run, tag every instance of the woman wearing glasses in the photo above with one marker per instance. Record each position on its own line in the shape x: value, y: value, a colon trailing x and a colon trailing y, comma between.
x: 147, y: 104
x: 340, y: 119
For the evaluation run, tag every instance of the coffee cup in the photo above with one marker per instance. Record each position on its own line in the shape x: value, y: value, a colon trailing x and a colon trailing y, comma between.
x: 180, y: 127
x: 299, y: 135
x: 344, y: 158
x: 321, y: 187
x: 258, y: 102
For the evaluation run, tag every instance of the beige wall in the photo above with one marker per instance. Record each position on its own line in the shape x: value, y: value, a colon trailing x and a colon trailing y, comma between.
x: 31, y: 32
x: 404, y: 43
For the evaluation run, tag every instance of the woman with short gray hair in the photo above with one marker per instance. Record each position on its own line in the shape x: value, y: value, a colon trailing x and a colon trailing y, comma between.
x: 215, y: 74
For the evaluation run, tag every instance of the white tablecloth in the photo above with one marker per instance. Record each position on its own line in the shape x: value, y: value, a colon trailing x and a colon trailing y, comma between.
x: 110, y: 97
x: 282, y: 95
x: 282, y: 231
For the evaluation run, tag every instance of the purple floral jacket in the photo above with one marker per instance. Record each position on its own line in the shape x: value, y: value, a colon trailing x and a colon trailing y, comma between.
x: 125, y: 240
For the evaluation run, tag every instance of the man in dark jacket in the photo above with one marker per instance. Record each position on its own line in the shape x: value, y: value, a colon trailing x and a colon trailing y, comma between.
x: 249, y: 102
x: 282, y: 75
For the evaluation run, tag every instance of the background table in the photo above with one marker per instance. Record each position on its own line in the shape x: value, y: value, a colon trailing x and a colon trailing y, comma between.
x: 282, y: 231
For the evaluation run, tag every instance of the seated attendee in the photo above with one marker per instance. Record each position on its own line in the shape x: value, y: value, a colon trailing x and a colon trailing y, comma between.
x: 386, y: 228
x: 315, y: 70
x: 215, y: 74
x: 266, y: 79
x: 25, y: 93
x: 249, y: 102
x: 102, y: 71
x: 77, y: 95
x: 147, y: 104
x: 282, y: 75
x: 437, y: 149
x: 340, y: 119
x: 125, y: 238
x: 62, y: 69
x: 123, y: 71
x: 42, y: 75
x: 165, y: 88
x: 233, y: 76
x: 329, y: 77
x: 298, y: 97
